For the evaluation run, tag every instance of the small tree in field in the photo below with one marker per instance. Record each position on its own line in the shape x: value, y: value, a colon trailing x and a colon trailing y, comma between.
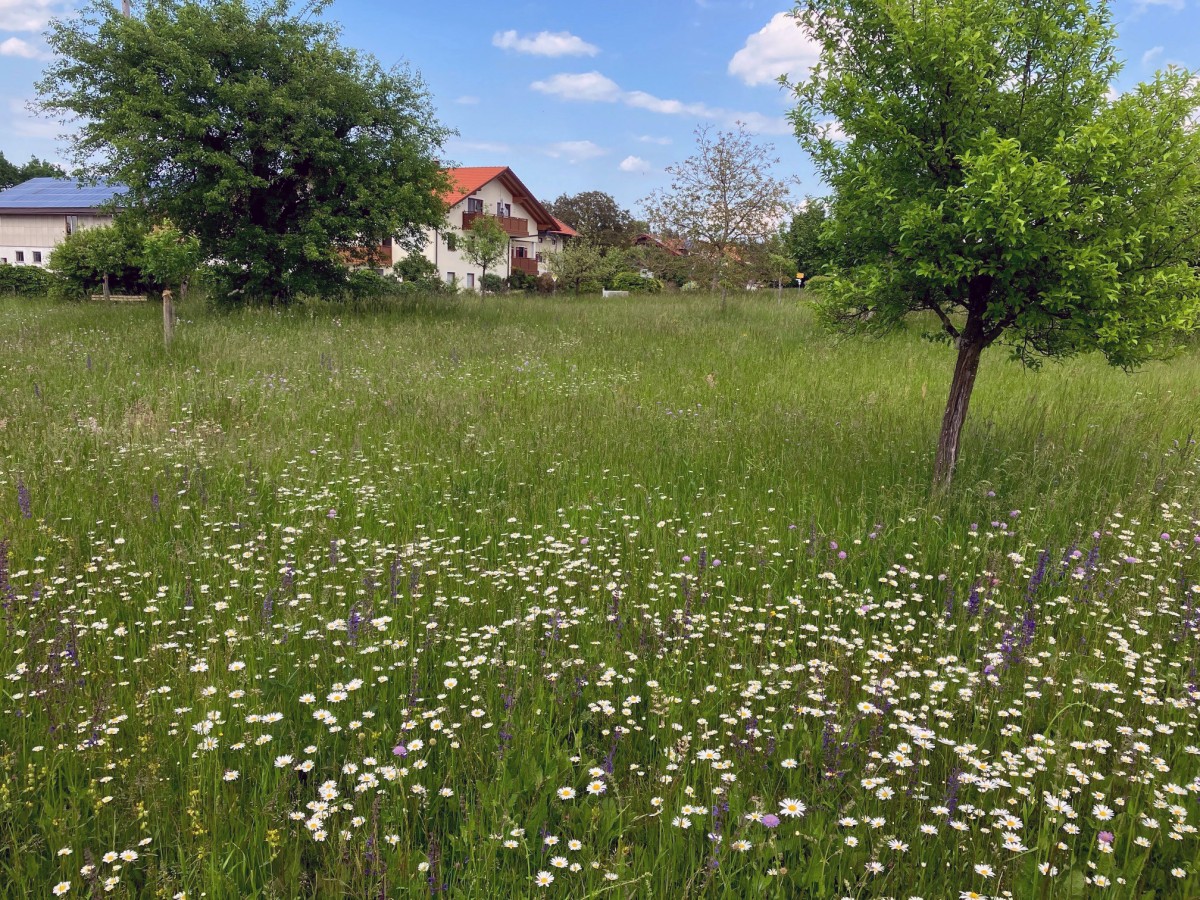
x: 484, y: 244
x: 580, y: 262
x: 986, y: 177
x: 722, y: 196
x: 171, y: 257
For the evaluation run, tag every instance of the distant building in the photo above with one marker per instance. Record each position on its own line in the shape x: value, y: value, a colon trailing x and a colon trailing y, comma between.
x: 37, y: 214
x: 496, y: 191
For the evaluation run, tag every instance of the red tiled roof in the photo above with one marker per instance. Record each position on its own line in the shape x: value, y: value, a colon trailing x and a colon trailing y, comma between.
x: 466, y: 180
x: 562, y: 227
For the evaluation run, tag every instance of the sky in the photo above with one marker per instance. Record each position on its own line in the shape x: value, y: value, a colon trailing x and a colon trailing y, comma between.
x: 582, y: 96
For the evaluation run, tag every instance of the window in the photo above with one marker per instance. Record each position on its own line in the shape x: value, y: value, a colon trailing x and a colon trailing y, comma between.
x: 471, y: 280
x: 37, y: 256
x: 474, y: 205
x: 72, y: 224
x: 451, y: 241
x: 521, y: 252
x: 20, y: 254
x: 449, y: 278
x: 503, y: 210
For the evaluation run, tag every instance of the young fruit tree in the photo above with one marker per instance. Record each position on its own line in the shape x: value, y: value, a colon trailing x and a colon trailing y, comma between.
x: 485, y: 244
x: 985, y: 175
x: 250, y: 126
x: 721, y: 197
x: 578, y: 263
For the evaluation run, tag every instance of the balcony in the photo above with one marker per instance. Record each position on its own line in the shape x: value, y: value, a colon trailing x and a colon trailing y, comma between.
x: 512, y: 226
x: 525, y: 264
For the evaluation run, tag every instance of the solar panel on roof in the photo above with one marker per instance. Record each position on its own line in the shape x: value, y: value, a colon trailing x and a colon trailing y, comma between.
x: 55, y: 193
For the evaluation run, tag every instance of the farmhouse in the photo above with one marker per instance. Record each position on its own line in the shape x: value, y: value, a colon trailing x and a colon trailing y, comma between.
x: 533, y: 233
x: 37, y: 214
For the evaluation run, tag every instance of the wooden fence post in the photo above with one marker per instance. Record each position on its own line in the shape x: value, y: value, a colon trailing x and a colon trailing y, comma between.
x: 168, y: 317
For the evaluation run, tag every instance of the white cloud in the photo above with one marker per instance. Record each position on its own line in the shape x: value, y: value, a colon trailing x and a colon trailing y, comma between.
x: 589, y: 86
x: 634, y: 164
x: 650, y: 139
x: 1151, y: 55
x: 544, y: 43
x: 780, y: 47
x: 16, y: 47
x: 467, y: 100
x: 28, y: 15
x: 575, y: 151
x: 593, y: 87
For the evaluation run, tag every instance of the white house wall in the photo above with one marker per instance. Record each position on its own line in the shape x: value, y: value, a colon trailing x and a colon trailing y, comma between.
x: 452, y: 261
x: 38, y: 233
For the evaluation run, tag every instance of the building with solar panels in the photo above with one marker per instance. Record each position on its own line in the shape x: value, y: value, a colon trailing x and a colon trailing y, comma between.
x: 36, y: 215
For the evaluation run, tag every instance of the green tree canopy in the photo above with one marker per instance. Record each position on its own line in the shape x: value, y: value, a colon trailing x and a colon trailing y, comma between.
x: 581, y: 263
x: 984, y: 175
x: 171, y: 257
x: 597, y: 217
x: 11, y: 174
x: 253, y: 129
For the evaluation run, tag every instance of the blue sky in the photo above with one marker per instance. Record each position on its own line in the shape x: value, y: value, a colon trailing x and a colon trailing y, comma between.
x: 579, y: 96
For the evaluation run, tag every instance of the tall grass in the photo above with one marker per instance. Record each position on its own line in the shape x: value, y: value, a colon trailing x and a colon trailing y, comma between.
x: 562, y: 506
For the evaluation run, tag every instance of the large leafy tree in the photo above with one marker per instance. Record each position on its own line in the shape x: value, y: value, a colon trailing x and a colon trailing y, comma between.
x: 723, y: 196
x: 984, y: 175
x: 581, y: 263
x: 597, y: 217
x: 253, y: 129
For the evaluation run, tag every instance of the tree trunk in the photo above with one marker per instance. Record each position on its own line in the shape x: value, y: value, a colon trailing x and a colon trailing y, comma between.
x: 965, y: 370
x: 106, y: 295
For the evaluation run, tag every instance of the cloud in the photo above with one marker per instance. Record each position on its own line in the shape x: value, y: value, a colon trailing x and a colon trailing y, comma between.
x: 780, y: 47
x: 28, y: 15
x: 467, y: 100
x: 17, y: 47
x: 575, y: 151
x: 634, y: 164
x: 544, y: 43
x: 1151, y: 55
x: 650, y: 139
x: 588, y: 86
x: 593, y: 87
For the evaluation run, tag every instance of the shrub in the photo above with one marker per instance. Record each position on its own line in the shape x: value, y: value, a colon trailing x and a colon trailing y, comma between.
x: 25, y: 281
x: 636, y: 284
x: 546, y: 283
x: 493, y: 284
x: 522, y: 281
x: 84, y: 257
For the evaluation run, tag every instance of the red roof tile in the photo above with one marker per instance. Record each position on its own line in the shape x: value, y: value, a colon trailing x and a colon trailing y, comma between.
x: 562, y: 227
x: 467, y: 180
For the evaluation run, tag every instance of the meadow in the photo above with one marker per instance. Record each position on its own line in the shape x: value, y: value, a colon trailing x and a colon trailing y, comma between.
x: 582, y: 598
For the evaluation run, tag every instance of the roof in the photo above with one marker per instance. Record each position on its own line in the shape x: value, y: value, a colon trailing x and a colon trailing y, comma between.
x: 59, y: 195
x: 466, y: 180
x: 674, y: 246
x: 561, y: 227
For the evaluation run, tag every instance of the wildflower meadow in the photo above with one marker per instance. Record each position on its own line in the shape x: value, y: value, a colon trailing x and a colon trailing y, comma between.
x: 556, y: 598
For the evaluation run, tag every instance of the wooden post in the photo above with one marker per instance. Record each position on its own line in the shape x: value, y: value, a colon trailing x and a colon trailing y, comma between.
x: 168, y: 317
x: 106, y: 292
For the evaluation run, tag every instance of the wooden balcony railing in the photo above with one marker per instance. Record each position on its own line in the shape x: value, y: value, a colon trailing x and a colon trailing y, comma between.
x: 511, y: 224
x: 525, y: 264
